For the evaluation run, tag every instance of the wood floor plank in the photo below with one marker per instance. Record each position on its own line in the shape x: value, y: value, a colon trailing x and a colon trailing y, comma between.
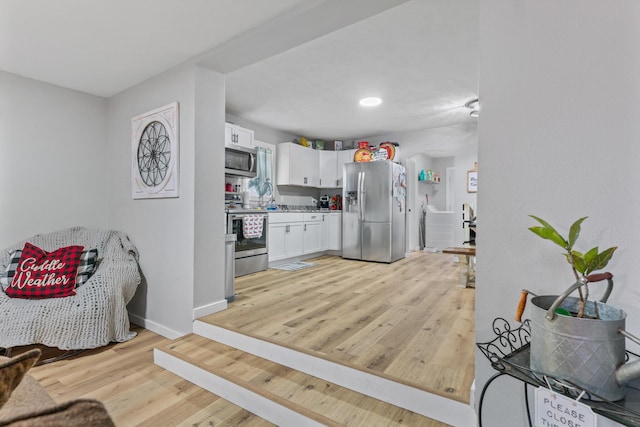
x: 335, y: 404
x: 135, y: 391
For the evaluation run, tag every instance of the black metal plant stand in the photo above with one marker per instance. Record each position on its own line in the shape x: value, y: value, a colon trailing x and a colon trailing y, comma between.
x: 509, y: 354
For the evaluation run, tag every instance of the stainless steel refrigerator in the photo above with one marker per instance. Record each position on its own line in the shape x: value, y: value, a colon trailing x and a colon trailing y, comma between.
x: 373, y: 211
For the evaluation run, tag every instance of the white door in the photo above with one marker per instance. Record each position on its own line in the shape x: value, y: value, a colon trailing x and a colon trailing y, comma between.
x: 328, y: 166
x: 244, y: 137
x: 303, y: 166
x: 413, y: 207
x: 294, y: 240
x: 345, y: 156
x: 312, y: 237
x: 451, y: 186
x: 335, y: 232
x: 324, y: 232
x: 277, y: 241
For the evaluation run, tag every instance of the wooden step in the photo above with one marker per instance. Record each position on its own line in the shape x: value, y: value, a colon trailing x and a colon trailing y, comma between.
x: 275, y: 392
x: 378, y: 387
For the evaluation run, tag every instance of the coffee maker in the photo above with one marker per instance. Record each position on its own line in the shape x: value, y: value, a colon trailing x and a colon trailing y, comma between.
x: 324, y: 203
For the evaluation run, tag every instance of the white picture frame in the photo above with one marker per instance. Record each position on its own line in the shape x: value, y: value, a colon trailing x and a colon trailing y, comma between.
x: 155, y: 149
x: 472, y: 179
x: 472, y: 182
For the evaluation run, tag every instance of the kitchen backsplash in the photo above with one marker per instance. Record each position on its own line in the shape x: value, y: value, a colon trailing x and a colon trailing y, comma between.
x: 297, y: 201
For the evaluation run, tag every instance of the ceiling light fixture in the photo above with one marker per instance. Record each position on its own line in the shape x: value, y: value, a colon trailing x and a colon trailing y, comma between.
x: 474, y: 106
x: 371, y: 101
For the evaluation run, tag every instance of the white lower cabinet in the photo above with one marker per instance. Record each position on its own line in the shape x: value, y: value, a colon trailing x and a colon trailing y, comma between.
x: 293, y: 234
x: 313, y: 227
x: 325, y: 232
x: 286, y: 241
x: 334, y: 232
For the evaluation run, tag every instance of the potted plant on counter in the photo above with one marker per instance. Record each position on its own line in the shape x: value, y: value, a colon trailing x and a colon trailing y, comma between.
x: 576, y: 339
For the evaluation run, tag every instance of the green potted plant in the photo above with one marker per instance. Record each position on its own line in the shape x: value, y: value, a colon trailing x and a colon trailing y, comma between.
x: 579, y: 340
x: 582, y: 264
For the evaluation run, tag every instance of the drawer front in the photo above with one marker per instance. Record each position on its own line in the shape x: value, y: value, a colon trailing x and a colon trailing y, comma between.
x: 285, y: 217
x: 313, y: 216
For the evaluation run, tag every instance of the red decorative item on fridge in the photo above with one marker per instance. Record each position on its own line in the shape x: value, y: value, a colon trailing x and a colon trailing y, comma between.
x: 391, y: 149
x: 362, y: 155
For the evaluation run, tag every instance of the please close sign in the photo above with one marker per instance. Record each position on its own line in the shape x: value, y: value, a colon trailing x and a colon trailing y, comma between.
x: 556, y: 410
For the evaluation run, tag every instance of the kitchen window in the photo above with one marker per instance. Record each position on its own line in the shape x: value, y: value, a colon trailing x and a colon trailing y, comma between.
x: 261, y: 186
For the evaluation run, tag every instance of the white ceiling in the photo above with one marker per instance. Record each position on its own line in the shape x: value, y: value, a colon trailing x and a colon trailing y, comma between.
x: 294, y: 65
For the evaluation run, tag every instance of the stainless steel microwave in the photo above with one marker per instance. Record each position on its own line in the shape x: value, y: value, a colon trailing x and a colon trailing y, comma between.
x: 240, y: 161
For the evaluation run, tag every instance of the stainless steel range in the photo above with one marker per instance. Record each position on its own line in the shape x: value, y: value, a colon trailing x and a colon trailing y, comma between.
x: 251, y: 228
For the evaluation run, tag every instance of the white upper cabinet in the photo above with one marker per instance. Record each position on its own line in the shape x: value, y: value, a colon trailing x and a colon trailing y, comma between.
x: 306, y: 167
x: 236, y: 135
x: 328, y: 167
x: 296, y: 165
x: 345, y: 156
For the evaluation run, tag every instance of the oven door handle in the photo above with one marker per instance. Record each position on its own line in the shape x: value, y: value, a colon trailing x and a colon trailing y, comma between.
x: 233, y: 217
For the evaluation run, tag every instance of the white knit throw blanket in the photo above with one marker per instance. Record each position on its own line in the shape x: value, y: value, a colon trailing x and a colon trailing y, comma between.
x: 95, y: 316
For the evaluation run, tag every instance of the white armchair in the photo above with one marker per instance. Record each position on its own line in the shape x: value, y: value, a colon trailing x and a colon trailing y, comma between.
x: 95, y: 316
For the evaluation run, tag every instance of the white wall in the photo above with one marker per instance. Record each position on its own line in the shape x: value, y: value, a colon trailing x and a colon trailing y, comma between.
x: 210, y: 219
x: 558, y: 137
x: 165, y: 230
x: 50, y: 138
x: 67, y: 162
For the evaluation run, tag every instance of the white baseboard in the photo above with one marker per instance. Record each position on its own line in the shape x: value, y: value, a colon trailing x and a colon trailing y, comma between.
x: 205, y: 310
x: 155, y: 327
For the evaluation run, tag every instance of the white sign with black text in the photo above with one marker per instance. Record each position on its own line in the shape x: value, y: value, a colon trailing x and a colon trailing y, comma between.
x: 556, y: 410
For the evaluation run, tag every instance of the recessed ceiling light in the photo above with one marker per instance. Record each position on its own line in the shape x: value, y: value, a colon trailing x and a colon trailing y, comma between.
x: 371, y: 101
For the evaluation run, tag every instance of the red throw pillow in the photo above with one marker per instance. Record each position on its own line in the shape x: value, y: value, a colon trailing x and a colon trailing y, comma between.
x: 42, y: 274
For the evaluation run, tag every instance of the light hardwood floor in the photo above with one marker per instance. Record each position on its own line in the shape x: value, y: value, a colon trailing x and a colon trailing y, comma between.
x: 406, y: 321
x: 314, y: 398
x: 135, y: 391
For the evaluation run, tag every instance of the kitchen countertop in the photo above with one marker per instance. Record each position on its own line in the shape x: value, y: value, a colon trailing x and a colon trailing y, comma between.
x: 305, y: 210
x: 239, y: 209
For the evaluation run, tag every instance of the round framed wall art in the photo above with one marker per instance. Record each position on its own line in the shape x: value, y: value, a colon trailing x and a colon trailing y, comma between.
x: 154, y: 153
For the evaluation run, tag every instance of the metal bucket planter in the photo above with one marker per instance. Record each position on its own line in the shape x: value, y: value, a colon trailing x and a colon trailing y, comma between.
x: 588, y: 352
